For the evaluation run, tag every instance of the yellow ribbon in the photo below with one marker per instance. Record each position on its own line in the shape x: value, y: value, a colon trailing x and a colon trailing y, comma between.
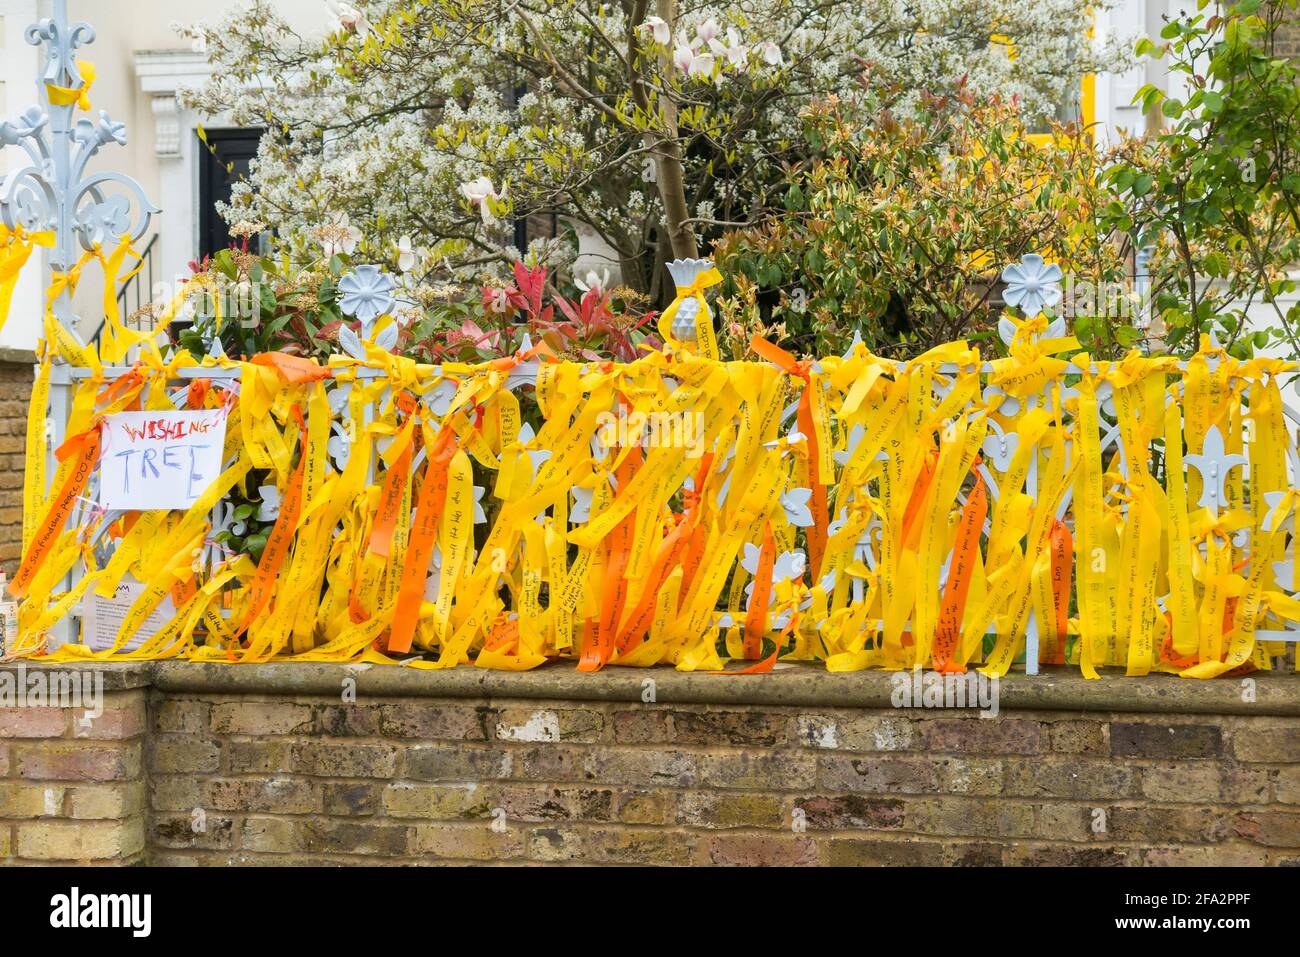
x: 65, y: 96
x: 705, y: 340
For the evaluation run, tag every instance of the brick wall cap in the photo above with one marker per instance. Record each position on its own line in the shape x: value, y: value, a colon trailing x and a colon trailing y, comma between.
x: 118, y: 675
x: 794, y: 686
x: 11, y: 356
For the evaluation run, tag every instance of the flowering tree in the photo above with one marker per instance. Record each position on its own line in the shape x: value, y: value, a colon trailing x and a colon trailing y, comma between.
x: 1216, y: 194
x: 656, y: 124
x: 900, y: 233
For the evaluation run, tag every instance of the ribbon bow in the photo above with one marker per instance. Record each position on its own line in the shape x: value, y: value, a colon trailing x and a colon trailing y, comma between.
x: 1223, y: 526
x: 1028, y: 338
x: 66, y: 96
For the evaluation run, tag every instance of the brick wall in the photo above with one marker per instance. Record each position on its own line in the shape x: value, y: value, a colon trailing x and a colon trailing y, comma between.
x: 1288, y: 41
x: 16, y: 378
x: 1288, y: 37
x: 72, y: 789
x: 279, y: 764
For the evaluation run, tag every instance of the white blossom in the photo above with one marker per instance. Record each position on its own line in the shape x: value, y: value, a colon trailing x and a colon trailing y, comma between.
x: 733, y: 51
x: 702, y: 65
x: 338, y: 236
x: 657, y: 27
x: 406, y: 255
x: 707, y: 30
x: 344, y: 16
x: 483, y: 194
x: 593, y: 281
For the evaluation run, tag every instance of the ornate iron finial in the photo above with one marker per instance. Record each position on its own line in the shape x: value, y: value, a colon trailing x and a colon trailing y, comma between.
x: 1214, y: 464
x: 53, y: 193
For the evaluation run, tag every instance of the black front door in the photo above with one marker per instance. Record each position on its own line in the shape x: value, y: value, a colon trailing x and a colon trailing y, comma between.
x: 223, y: 161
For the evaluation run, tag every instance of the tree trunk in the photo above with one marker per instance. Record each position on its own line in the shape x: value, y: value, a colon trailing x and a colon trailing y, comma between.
x: 670, y: 179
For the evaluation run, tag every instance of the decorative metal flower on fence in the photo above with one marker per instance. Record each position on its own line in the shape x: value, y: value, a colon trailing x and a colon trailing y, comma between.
x: 367, y: 294
x: 1032, y: 284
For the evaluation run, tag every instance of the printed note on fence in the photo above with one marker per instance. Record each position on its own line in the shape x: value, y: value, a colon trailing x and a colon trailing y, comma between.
x: 102, y: 617
x: 159, y: 459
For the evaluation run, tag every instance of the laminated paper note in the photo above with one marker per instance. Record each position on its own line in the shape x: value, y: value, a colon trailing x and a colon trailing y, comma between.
x: 159, y: 459
x: 102, y: 617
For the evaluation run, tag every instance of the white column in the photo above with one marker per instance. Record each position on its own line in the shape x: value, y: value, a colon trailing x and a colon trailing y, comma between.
x: 1125, y: 21
x: 162, y: 74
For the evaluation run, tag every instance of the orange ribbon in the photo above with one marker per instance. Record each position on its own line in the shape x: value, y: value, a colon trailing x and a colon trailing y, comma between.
x: 428, y: 516
x: 768, y: 663
x: 293, y: 369
x: 759, y: 596
x: 598, y: 645
x: 960, y: 570
x: 670, y: 552
x: 277, y: 543
x: 802, y: 369
x: 86, y: 446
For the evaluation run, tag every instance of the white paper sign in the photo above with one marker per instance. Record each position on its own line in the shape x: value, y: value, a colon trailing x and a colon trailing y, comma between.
x: 159, y: 459
x: 102, y: 617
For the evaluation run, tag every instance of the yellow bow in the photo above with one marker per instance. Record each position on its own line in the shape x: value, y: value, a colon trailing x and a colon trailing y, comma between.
x: 65, y: 96
x: 1028, y: 338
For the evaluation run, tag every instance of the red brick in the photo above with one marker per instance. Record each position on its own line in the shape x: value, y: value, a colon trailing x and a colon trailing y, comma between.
x: 117, y: 723
x: 981, y: 735
x: 850, y: 812
x: 1270, y: 828
x: 33, y: 722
